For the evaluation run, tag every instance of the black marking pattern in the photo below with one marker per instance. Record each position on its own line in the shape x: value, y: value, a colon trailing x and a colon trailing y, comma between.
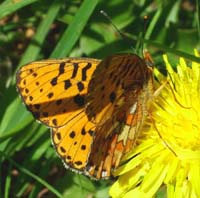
x: 91, y: 132
x: 50, y: 95
x: 62, y: 149
x: 58, y: 136
x: 84, y: 71
x: 72, y: 134
x: 83, y: 147
x: 67, y: 84
x: 112, y: 97
x: 78, y: 163
x: 54, y: 81
x: 75, y: 70
x: 54, y: 121
x: 83, y: 132
x: 69, y: 157
x: 37, y: 106
x: 80, y: 86
x: 62, y: 68
x: 79, y: 100
x: 34, y: 74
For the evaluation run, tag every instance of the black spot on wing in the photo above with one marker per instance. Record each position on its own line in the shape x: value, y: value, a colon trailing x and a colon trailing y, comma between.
x: 112, y: 97
x: 69, y: 157
x: 67, y: 84
x: 91, y: 132
x: 80, y: 86
x: 83, y: 132
x: 26, y: 90
x: 37, y: 106
x: 72, y: 134
x: 50, y: 95
x: 58, y: 135
x: 83, y: 147
x: 30, y: 98
x: 54, y: 81
x: 78, y: 163
x: 79, y: 100
x: 54, y: 121
x: 34, y: 74
x: 62, y: 149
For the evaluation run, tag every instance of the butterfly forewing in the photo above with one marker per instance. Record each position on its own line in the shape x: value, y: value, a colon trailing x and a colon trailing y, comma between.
x: 54, y: 90
x: 115, y: 77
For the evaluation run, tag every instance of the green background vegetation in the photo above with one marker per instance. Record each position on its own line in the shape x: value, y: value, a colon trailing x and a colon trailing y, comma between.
x: 32, y: 30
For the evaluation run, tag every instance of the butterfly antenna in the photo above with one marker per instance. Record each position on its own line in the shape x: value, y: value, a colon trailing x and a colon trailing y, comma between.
x: 109, y: 19
x: 122, y: 35
x: 140, y: 44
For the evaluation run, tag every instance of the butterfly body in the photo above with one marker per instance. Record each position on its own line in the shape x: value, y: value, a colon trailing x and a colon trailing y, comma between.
x: 94, y: 108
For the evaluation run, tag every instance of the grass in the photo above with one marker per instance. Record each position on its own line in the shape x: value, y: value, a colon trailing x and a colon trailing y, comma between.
x: 31, y: 30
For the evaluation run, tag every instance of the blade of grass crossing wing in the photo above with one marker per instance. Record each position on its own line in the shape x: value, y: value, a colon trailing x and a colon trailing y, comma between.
x: 8, y: 7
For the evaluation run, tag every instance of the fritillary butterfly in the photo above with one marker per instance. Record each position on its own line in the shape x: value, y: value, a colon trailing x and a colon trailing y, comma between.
x: 95, y: 108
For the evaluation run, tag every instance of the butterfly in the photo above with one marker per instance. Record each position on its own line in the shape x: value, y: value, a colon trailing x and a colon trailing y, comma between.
x: 95, y: 108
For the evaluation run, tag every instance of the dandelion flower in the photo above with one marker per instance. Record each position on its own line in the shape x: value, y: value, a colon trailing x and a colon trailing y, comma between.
x: 168, y: 153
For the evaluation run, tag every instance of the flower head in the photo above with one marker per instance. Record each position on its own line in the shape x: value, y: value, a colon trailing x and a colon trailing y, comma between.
x: 168, y: 155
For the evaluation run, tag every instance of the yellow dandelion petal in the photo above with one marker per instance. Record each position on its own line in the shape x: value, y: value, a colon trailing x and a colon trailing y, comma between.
x: 168, y: 151
x: 136, y: 193
x: 194, y: 176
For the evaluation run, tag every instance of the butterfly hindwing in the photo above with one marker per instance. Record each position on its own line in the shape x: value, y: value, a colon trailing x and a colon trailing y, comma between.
x: 73, y: 141
x: 118, y: 110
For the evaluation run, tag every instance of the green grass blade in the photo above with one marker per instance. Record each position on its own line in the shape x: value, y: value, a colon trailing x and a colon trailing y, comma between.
x: 73, y: 31
x: 174, y: 51
x: 32, y: 175
x: 8, y: 183
x: 198, y: 20
x: 9, y: 7
x: 42, y: 31
x: 9, y: 125
x: 153, y: 23
x: 168, y: 49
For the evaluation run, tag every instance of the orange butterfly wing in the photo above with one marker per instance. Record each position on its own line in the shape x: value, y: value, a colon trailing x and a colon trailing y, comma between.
x: 94, y: 121
x: 117, y: 100
x: 54, y: 90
